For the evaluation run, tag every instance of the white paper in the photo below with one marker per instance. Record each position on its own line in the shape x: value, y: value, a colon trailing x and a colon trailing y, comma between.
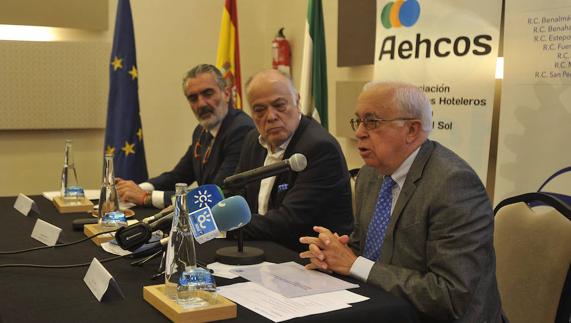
x: 223, y: 270
x: 113, y: 248
x: 291, y: 279
x: 89, y: 194
x: 275, y: 306
x: 23, y: 204
x: 46, y: 233
x: 97, y: 279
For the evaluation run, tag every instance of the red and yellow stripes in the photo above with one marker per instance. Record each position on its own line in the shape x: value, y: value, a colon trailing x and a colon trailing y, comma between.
x: 228, y: 56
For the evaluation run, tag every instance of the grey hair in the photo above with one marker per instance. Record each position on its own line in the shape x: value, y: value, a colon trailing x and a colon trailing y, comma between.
x: 205, y: 68
x: 408, y: 99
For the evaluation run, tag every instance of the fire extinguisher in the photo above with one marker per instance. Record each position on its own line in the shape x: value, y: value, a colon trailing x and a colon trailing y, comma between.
x: 281, y: 53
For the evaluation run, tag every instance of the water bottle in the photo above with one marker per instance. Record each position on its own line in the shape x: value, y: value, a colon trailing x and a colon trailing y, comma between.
x: 181, y: 255
x: 69, y: 189
x: 109, y: 213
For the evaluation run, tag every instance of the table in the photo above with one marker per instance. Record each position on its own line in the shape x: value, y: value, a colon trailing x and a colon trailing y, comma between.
x: 60, y: 295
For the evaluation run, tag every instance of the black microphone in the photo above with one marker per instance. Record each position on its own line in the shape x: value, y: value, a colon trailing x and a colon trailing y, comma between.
x: 78, y: 224
x: 297, y: 163
x: 136, y: 235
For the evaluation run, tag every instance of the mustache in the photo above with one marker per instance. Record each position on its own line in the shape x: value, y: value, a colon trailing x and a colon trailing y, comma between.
x: 201, y: 111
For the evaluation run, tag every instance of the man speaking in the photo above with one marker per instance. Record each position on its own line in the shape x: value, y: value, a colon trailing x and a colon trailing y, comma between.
x: 289, y: 204
x: 424, y: 223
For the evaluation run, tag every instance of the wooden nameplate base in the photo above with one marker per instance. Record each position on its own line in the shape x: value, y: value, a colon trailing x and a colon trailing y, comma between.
x: 80, y: 205
x: 92, y: 229
x: 223, y: 309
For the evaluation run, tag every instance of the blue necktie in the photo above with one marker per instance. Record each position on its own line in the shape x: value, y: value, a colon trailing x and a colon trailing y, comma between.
x: 380, y: 222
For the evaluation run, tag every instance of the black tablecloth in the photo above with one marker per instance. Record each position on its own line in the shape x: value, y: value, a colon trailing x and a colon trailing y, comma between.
x: 60, y: 295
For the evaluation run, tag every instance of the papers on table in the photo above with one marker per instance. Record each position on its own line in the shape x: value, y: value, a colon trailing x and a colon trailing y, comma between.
x: 224, y: 271
x: 292, y: 280
x: 89, y: 194
x: 279, y: 308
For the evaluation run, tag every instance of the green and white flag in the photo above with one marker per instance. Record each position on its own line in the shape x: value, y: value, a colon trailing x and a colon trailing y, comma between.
x: 313, y: 89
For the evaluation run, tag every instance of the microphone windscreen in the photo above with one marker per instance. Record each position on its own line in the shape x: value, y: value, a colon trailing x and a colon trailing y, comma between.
x: 203, y: 196
x: 231, y: 213
x: 297, y: 162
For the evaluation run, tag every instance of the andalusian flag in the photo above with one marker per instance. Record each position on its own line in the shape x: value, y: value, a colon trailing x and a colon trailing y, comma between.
x: 124, y: 133
x: 228, y: 57
x: 314, y: 66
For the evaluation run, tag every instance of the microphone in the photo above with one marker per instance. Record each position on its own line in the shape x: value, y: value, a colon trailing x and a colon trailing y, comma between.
x: 228, y: 214
x: 297, y: 162
x: 164, y: 212
x: 134, y: 236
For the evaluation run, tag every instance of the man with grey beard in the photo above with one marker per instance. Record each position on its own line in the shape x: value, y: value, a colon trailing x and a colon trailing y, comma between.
x: 216, y: 141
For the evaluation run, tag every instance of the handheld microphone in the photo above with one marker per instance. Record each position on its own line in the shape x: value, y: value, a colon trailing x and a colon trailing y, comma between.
x: 229, y: 214
x: 297, y: 163
x: 134, y: 236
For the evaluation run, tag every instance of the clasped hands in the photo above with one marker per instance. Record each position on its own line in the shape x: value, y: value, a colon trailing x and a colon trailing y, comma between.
x: 328, y: 252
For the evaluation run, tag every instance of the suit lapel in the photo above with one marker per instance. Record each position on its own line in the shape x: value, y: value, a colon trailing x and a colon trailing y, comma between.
x: 414, y: 174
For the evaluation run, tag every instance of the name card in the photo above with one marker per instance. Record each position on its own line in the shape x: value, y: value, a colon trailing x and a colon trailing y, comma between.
x: 25, y: 204
x: 46, y: 233
x: 99, y: 280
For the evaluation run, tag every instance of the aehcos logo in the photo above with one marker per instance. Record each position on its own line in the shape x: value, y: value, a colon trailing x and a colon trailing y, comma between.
x: 400, y: 13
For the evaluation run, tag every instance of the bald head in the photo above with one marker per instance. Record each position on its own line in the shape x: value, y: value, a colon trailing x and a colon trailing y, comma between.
x: 274, y: 103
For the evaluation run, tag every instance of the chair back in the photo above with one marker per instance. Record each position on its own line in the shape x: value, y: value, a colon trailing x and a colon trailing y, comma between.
x: 533, y: 255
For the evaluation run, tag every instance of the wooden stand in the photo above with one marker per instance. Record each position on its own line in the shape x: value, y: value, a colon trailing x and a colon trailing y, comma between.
x: 223, y: 309
x: 79, y: 205
x: 91, y: 229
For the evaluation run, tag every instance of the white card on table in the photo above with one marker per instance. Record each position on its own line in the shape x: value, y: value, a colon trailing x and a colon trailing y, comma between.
x: 98, y: 279
x: 24, y: 204
x: 46, y: 233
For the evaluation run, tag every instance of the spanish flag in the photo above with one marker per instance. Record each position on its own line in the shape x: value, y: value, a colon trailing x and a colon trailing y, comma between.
x: 228, y: 57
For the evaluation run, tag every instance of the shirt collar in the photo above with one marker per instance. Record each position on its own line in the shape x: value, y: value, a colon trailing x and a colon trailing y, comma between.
x: 399, y: 176
x: 279, y: 149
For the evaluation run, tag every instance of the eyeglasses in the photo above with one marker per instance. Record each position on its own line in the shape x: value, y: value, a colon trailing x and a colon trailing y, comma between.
x: 373, y: 123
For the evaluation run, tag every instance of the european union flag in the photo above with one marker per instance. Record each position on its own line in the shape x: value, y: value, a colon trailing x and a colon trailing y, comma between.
x: 124, y: 133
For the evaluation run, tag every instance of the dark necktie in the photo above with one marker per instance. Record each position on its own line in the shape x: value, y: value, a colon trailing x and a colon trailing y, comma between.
x: 380, y: 222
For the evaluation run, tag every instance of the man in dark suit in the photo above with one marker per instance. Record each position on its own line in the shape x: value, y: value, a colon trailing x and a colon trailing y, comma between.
x: 424, y: 223
x: 216, y: 141
x: 290, y: 204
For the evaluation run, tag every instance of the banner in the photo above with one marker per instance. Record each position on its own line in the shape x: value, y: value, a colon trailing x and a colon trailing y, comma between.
x: 535, y: 115
x: 447, y: 48
x: 124, y: 132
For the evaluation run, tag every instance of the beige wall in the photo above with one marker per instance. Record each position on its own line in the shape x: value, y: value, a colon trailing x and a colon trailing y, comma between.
x: 171, y: 36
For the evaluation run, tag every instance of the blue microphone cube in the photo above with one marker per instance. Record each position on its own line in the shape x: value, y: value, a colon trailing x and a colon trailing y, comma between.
x: 203, y: 225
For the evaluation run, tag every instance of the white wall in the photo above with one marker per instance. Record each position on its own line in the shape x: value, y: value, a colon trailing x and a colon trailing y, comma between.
x: 171, y: 36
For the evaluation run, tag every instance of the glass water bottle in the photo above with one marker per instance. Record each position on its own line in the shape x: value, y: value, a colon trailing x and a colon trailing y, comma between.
x: 181, y: 255
x: 109, y: 213
x: 69, y: 189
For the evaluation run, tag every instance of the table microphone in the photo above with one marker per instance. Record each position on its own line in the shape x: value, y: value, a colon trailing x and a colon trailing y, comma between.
x: 297, y: 162
x: 78, y: 224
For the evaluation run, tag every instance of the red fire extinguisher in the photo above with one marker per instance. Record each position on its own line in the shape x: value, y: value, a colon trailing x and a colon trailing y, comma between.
x: 281, y: 53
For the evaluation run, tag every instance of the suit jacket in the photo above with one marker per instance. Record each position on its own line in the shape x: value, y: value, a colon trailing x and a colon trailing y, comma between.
x: 221, y: 162
x: 438, y: 251
x: 319, y: 195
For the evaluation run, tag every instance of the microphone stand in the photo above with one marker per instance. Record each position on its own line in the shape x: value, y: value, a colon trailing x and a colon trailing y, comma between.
x: 240, y: 255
